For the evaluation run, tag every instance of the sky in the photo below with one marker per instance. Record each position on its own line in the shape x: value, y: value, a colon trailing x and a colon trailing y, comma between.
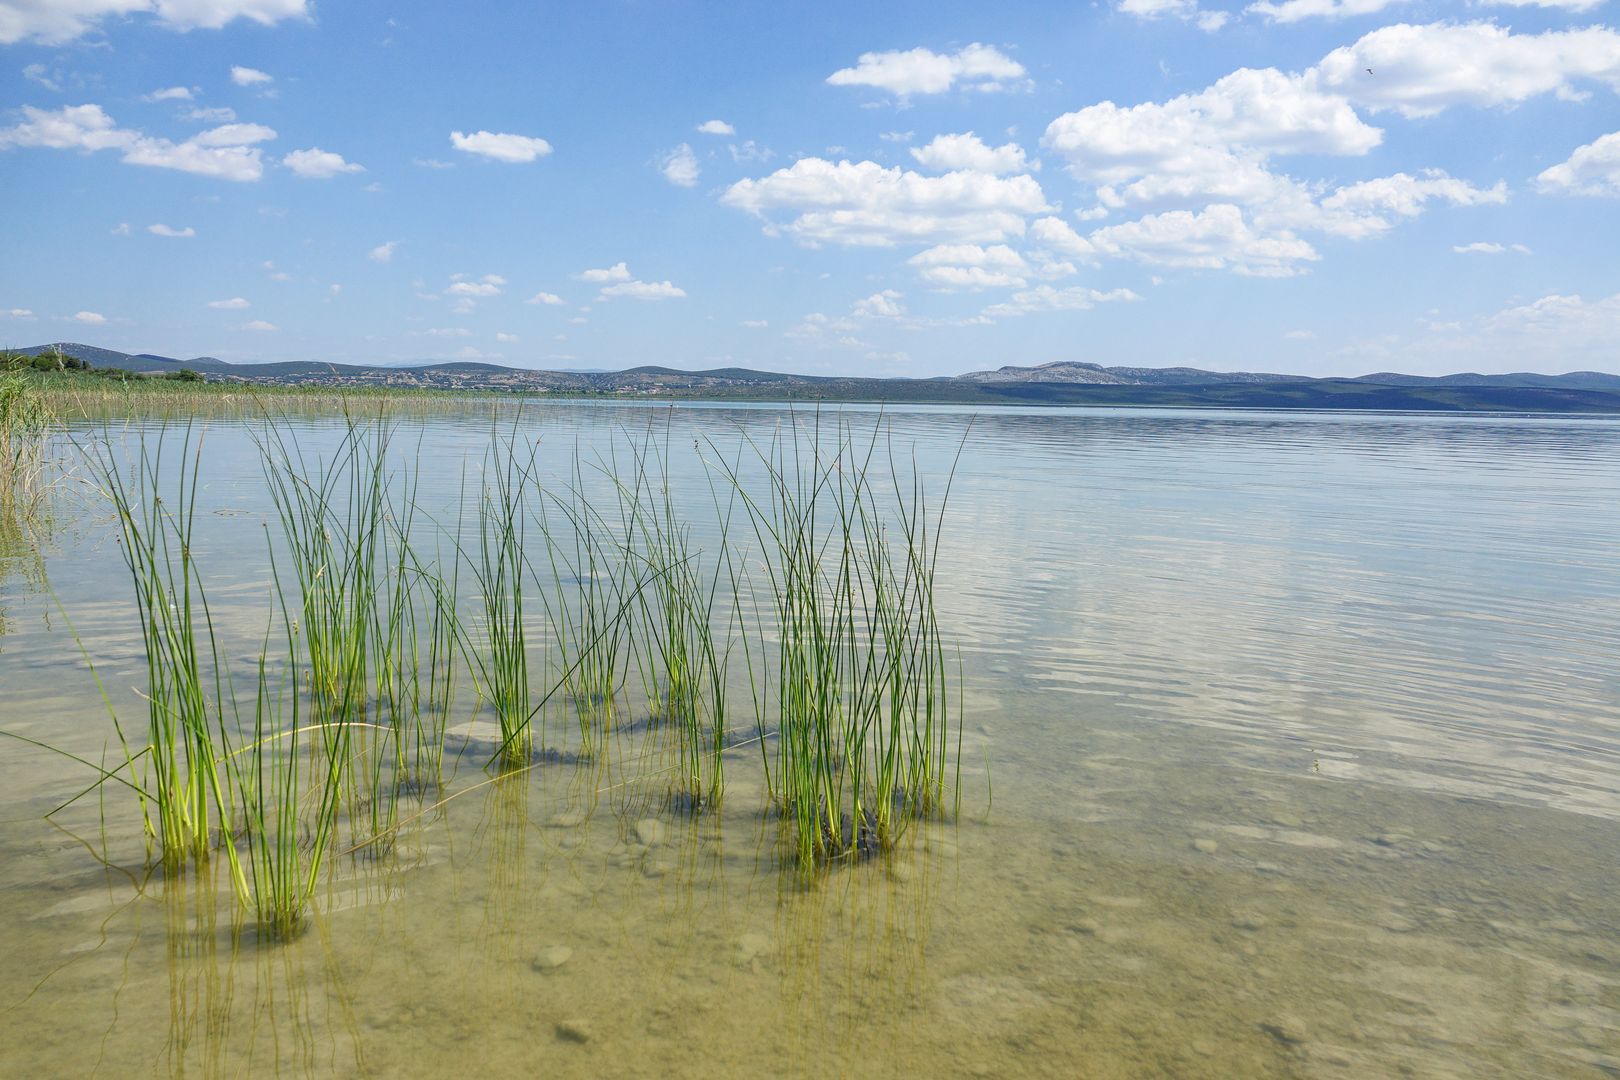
x: 1322, y: 187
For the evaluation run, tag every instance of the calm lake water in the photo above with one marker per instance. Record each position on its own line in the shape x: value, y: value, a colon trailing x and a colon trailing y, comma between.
x: 1292, y: 748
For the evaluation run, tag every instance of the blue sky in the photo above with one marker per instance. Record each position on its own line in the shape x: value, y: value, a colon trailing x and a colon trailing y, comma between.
x: 898, y: 189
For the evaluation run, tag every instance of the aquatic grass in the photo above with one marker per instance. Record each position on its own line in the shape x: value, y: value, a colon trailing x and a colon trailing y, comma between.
x: 595, y: 583
x: 25, y: 425
x: 183, y: 677
x: 499, y: 568
x: 860, y: 674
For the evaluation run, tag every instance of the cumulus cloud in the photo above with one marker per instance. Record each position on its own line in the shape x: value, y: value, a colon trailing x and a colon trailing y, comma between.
x: 642, y: 290
x: 1361, y: 209
x: 1288, y: 11
x: 880, y: 305
x: 756, y: 324
x: 246, y: 76
x: 481, y: 288
x: 1215, y: 238
x: 506, y: 339
x: 550, y: 299
x: 1593, y: 169
x: 90, y: 318
x: 448, y: 332
x: 948, y: 153
x: 716, y: 127
x: 258, y: 326
x: 17, y: 313
x: 616, y: 272
x: 53, y: 22
x: 235, y: 303
x: 318, y: 164
x: 1185, y: 10
x: 165, y: 230
x: 225, y: 153
x: 865, y: 204
x: 1048, y: 298
x: 680, y: 166
x: 923, y: 71
x: 1422, y: 70
x: 971, y: 266
x: 498, y: 146
x: 1486, y: 247
x: 383, y: 253
x: 173, y: 93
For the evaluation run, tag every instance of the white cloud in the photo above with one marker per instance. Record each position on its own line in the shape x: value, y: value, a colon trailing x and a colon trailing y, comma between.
x: 970, y: 266
x: 235, y: 303
x: 864, y: 204
x: 1574, y: 6
x: 1486, y: 247
x: 680, y: 166
x: 246, y: 76
x: 716, y: 127
x: 484, y: 287
x: 923, y: 71
x: 234, y: 135
x: 880, y: 305
x: 53, y: 22
x: 383, y: 253
x: 1047, y: 298
x: 643, y: 290
x: 1213, y: 138
x: 448, y: 332
x: 258, y: 326
x: 41, y: 75
x: 1562, y: 321
x: 1361, y: 209
x: 90, y: 318
x: 1289, y: 11
x: 616, y: 272
x: 173, y: 93
x: 1185, y: 10
x: 897, y: 136
x: 222, y: 114
x: 550, y: 299
x: 1422, y: 70
x: 755, y: 324
x: 121, y: 229
x: 1299, y: 335
x: 434, y: 163
x: 1593, y: 169
x: 17, y: 313
x: 1215, y: 238
x: 165, y: 230
x: 948, y: 153
x: 501, y: 147
x: 213, y: 14
x: 505, y: 338
x: 223, y: 153
x: 318, y: 164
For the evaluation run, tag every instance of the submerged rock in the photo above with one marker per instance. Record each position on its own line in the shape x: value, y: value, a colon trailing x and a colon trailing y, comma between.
x: 574, y: 1031
x: 551, y: 958
x: 1286, y: 1029
x: 649, y: 831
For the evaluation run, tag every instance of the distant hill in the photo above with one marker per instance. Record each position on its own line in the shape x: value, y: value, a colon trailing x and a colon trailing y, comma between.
x: 1061, y: 383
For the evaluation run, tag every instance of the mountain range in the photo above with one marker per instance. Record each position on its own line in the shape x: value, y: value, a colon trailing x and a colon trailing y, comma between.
x: 1060, y: 383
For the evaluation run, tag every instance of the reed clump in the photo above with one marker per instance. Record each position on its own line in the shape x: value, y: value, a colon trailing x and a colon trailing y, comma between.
x: 804, y: 584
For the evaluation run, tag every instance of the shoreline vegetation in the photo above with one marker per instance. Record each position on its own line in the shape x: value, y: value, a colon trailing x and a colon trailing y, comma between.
x: 74, y: 387
x: 782, y: 614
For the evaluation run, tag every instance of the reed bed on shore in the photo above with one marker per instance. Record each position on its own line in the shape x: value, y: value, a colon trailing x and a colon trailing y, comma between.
x: 801, y: 584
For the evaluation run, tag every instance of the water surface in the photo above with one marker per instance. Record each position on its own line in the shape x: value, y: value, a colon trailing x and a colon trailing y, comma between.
x: 1292, y: 748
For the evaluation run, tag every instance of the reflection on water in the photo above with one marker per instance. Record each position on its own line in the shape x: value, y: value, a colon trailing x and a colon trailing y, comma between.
x: 1303, y: 735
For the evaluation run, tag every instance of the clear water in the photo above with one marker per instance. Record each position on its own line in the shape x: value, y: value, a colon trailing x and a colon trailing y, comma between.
x: 1302, y: 731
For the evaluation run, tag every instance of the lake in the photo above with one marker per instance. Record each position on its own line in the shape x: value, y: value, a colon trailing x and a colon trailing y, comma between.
x: 1290, y: 746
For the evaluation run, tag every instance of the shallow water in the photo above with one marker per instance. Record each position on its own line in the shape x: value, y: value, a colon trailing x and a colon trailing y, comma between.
x: 1302, y: 732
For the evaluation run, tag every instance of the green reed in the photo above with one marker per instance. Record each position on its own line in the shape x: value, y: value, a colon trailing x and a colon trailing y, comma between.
x: 683, y: 660
x: 25, y: 424
x: 183, y: 676
x: 860, y: 672
x: 498, y: 569
x: 595, y: 584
